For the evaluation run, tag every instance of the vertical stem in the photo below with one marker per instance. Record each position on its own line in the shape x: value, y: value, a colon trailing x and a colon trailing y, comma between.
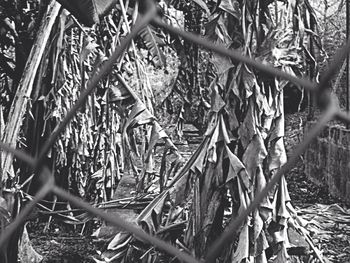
x: 347, y: 58
x: 25, y: 87
x: 2, y: 126
x: 311, y: 96
x: 276, y: 11
x: 47, y: 226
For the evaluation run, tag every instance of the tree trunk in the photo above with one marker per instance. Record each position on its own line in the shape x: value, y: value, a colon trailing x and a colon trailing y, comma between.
x: 17, y: 111
x: 19, y: 104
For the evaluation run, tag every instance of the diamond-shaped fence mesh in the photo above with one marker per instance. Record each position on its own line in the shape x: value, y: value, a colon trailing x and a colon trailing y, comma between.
x: 329, y: 106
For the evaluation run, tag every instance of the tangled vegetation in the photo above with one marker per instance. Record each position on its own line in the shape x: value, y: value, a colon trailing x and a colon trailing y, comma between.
x: 160, y: 83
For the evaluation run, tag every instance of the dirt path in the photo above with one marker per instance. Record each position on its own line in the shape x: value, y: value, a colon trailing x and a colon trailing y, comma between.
x: 61, y: 244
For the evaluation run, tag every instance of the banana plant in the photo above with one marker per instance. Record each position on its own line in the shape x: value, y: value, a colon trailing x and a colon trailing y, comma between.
x: 243, y: 144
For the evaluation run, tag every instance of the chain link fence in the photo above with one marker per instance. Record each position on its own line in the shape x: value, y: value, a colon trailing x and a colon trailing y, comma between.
x: 327, y: 103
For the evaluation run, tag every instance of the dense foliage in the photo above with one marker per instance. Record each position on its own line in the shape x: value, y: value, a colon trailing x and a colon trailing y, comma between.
x: 239, y: 110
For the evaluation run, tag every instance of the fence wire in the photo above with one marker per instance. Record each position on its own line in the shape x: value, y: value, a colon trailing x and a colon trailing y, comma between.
x: 330, y: 107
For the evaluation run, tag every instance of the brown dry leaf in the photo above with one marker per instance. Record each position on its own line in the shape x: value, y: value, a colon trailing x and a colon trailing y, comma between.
x: 236, y: 166
x: 217, y: 103
x: 254, y: 155
x: 120, y: 241
x: 207, y: 201
x: 5, y: 215
x: 139, y: 115
x: 262, y: 216
x: 156, y: 134
x: 265, y: 208
x: 260, y: 245
x: 181, y: 185
x: 242, y: 250
x: 153, y: 43
x: 89, y: 46
x: 26, y: 252
x: 249, y: 81
x: 261, y: 258
x: 230, y: 115
x: 212, y: 124
x: 258, y: 226
x: 277, y: 154
x: 203, y: 5
x: 278, y: 128
x: 198, y: 163
x: 225, y: 134
x: 211, y: 150
x: 231, y: 7
x: 282, y: 255
x: 222, y: 64
x: 234, y: 88
x: 118, y: 92
x: 262, y: 101
x: 248, y: 129
x: 150, y: 216
x: 210, y: 27
x: 284, y: 198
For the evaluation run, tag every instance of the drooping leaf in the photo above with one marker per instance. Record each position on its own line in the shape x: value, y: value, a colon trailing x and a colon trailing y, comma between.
x: 150, y: 216
x: 214, y: 139
x: 89, y: 46
x: 5, y: 215
x: 232, y: 7
x: 156, y: 134
x: 217, y: 103
x: 120, y: 241
x: 236, y: 167
x: 284, y: 198
x: 118, y: 92
x: 248, y: 128
x: 242, y: 249
x: 265, y: 208
x: 84, y: 11
x: 254, y: 155
x: 153, y: 43
x: 139, y: 115
x: 282, y: 255
x: 203, y: 5
x: 248, y: 80
x: 277, y: 154
x: 210, y: 27
x: 198, y: 163
x: 181, y: 185
x: 259, y: 238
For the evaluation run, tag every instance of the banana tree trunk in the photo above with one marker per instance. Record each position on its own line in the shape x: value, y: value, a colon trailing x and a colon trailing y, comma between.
x: 20, y: 102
